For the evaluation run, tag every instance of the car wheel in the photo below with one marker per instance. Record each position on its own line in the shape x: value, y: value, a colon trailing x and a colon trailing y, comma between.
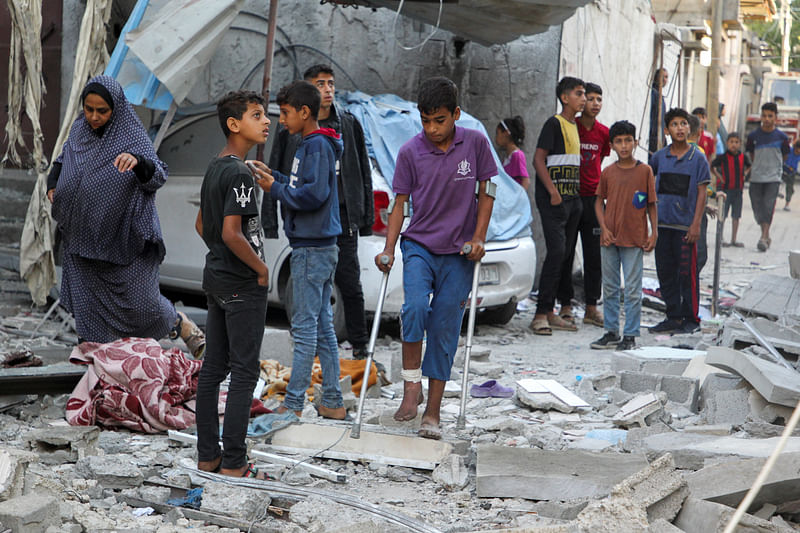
x: 499, y: 315
x: 339, y: 323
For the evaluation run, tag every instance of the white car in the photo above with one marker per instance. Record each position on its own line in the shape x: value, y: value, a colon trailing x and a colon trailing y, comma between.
x: 506, y: 273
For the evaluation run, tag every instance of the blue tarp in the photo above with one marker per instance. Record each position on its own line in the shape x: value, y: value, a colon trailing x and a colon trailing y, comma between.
x: 389, y: 121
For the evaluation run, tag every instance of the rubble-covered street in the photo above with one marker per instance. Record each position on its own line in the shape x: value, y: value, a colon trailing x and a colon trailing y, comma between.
x: 657, y: 439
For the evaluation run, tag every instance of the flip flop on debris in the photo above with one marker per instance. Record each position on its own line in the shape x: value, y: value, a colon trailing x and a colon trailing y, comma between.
x: 541, y: 327
x: 430, y: 431
x: 491, y: 389
x: 559, y: 323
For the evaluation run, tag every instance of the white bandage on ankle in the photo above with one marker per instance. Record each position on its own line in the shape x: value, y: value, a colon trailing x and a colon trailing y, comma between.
x: 414, y: 375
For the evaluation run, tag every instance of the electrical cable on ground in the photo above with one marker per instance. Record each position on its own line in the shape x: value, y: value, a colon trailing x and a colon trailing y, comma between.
x: 337, y: 497
x: 315, y: 454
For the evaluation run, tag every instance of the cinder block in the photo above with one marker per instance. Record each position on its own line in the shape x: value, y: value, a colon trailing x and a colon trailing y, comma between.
x: 715, y: 383
x: 659, y: 489
x: 679, y: 389
x: 700, y: 516
x: 653, y: 360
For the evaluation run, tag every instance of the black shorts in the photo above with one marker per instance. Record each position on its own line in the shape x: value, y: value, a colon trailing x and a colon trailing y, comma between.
x: 763, y: 196
x: 733, y: 202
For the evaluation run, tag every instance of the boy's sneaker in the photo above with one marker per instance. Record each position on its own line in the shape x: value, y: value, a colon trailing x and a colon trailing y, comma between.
x: 627, y: 343
x: 689, y: 327
x: 666, y: 326
x: 609, y: 341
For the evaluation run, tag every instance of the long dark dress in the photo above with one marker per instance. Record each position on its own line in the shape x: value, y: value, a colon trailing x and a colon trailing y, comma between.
x: 112, y: 239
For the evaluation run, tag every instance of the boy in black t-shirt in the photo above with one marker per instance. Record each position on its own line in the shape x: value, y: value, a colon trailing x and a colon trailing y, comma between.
x: 235, y: 280
x: 557, y: 163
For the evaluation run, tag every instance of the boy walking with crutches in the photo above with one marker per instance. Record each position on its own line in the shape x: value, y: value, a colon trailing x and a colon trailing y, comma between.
x: 440, y: 169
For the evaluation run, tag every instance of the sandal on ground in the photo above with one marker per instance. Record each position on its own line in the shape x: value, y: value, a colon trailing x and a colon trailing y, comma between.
x: 594, y: 319
x: 541, y: 327
x: 568, y: 317
x: 737, y: 244
x: 560, y: 324
x: 251, y: 472
x: 762, y: 245
x: 727, y: 244
x: 430, y: 431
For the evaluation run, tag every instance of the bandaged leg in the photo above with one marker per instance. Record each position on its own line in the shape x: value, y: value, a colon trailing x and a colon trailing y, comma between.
x: 413, y: 376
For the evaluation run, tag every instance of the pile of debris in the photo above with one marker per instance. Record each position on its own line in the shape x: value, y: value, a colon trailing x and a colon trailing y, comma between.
x: 655, y: 439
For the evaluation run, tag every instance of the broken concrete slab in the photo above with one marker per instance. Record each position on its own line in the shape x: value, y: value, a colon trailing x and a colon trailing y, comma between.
x: 63, y: 444
x: 230, y: 500
x: 700, y: 516
x: 13, y: 465
x: 639, y: 408
x: 386, y: 448
x: 736, y: 336
x: 539, y: 390
x: 690, y: 451
x: 111, y: 471
x: 451, y: 473
x: 654, y: 360
x: 541, y: 401
x: 700, y: 370
x: 31, y: 513
x: 386, y: 419
x: 728, y: 482
x: 771, y: 296
x: 505, y: 472
x: 612, y: 515
x: 774, y: 382
x: 662, y: 526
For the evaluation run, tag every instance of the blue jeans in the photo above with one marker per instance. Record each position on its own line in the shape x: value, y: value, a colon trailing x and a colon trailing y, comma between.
x: 631, y: 261
x: 312, y: 326
x: 435, y: 288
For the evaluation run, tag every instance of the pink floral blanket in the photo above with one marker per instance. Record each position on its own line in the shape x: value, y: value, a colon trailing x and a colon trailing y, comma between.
x: 133, y: 383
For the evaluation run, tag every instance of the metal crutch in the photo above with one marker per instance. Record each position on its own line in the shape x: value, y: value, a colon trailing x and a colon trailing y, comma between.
x: 473, y: 305
x: 355, y: 431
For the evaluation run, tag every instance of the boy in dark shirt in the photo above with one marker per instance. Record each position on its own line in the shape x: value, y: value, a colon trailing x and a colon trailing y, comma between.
x: 557, y: 163
x: 310, y: 208
x: 730, y: 169
x: 681, y: 171
x: 235, y: 280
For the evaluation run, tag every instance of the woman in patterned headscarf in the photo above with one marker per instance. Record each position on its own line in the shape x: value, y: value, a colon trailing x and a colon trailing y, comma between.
x: 102, y: 188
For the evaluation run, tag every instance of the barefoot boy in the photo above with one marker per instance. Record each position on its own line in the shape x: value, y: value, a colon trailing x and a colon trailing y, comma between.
x: 438, y: 169
x: 626, y: 198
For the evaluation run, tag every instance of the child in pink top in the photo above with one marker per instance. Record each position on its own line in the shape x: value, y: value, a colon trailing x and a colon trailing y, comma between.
x: 509, y: 137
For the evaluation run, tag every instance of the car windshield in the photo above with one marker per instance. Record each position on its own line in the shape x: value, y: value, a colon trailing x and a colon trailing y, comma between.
x: 786, y: 92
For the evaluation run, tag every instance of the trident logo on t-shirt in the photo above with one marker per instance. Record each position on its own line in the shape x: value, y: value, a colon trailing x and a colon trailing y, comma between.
x: 242, y: 196
x: 463, y: 167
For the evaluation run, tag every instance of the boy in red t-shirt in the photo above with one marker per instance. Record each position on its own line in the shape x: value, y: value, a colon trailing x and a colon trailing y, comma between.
x: 626, y: 198
x: 594, y: 147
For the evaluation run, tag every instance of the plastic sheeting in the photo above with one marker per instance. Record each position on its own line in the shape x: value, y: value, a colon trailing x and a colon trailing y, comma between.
x: 36, y: 263
x: 177, y: 44
x: 389, y: 121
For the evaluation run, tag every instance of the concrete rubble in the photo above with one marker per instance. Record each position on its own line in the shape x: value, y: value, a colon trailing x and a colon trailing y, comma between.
x: 666, y: 438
